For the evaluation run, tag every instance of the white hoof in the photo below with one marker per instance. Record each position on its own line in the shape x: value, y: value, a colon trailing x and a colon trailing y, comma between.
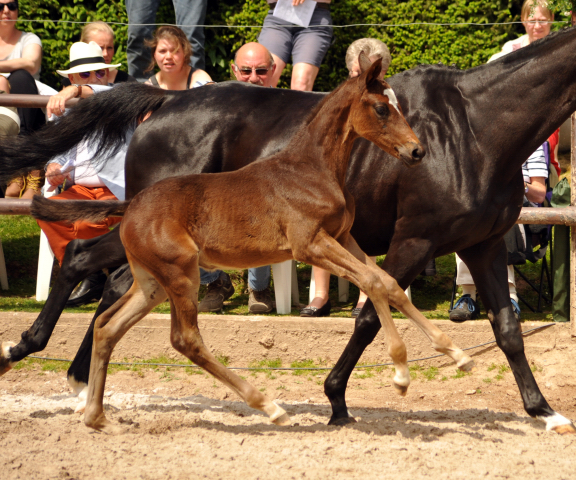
x: 5, y: 363
x: 280, y: 417
x: 82, y: 396
x: 559, y: 424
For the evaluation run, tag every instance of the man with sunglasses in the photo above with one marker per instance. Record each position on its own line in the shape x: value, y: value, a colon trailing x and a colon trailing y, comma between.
x: 88, y: 74
x: 253, y: 63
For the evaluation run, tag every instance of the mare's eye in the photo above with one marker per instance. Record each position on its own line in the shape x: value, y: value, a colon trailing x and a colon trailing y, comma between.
x: 382, y: 110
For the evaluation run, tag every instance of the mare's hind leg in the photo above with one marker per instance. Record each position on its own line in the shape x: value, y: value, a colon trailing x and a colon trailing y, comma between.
x: 487, y: 263
x: 110, y: 327
x: 185, y: 337
x: 118, y: 283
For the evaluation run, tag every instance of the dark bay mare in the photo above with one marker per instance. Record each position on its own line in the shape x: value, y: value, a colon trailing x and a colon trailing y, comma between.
x: 295, y: 204
x: 478, y: 127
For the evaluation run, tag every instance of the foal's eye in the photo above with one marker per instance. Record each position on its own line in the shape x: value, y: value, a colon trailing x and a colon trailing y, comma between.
x: 382, y: 110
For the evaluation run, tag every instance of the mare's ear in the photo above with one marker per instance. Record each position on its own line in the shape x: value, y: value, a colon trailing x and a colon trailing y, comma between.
x: 372, y: 70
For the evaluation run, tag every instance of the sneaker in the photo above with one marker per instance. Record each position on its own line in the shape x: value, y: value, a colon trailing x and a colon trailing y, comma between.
x: 465, y: 309
x: 260, y: 302
x: 516, y: 308
x: 218, y: 291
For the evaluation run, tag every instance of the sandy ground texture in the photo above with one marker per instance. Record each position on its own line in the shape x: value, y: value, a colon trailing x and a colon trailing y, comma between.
x: 182, y: 425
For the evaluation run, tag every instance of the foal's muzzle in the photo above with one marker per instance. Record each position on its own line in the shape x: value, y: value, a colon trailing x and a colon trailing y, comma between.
x: 411, y: 153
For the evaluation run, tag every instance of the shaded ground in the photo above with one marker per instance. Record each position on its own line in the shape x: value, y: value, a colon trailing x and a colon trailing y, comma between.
x: 184, y: 425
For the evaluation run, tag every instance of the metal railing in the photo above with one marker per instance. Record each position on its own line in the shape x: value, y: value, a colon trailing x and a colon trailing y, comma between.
x: 546, y: 216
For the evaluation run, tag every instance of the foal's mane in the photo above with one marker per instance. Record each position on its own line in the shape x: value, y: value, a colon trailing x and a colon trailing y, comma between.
x: 320, y: 104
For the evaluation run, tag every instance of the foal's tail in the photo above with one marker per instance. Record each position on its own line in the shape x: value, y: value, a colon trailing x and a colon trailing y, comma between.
x: 102, y: 120
x: 73, y: 210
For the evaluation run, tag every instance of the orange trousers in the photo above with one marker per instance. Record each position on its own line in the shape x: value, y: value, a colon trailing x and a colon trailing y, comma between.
x: 59, y: 234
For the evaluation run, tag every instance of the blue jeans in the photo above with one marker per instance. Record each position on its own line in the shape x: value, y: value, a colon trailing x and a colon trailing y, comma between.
x: 189, y: 14
x: 258, y: 278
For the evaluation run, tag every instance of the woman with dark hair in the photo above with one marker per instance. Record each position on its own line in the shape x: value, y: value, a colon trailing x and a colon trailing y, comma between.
x: 171, y: 53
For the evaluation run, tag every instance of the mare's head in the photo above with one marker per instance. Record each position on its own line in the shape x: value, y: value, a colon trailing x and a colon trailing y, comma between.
x: 376, y: 115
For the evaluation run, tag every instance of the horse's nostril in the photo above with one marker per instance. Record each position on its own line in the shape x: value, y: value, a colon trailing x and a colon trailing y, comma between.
x: 418, y: 153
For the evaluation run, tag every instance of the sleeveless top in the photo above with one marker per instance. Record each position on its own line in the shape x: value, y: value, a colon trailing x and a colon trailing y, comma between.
x: 154, y: 80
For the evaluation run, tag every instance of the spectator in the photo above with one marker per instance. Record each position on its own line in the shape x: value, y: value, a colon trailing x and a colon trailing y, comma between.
x: 254, y: 64
x: 103, y: 35
x: 535, y: 17
x: 20, y: 59
x: 306, y: 46
x: 88, y: 73
x: 172, y: 53
x: 190, y: 16
x: 320, y: 305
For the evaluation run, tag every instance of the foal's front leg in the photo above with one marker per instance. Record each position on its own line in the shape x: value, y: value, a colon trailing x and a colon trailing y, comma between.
x: 325, y: 252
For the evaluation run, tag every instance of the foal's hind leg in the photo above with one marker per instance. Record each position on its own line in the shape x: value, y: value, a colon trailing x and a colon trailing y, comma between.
x: 110, y: 327
x: 185, y: 337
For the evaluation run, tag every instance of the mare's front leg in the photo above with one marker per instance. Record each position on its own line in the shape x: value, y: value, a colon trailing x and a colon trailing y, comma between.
x: 366, y: 327
x: 487, y: 264
x: 82, y: 258
x: 117, y: 284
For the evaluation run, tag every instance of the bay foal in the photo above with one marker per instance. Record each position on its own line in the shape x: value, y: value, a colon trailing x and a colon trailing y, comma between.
x: 291, y: 205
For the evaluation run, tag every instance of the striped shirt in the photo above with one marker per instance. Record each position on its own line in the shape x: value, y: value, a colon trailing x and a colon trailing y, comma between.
x: 535, y: 166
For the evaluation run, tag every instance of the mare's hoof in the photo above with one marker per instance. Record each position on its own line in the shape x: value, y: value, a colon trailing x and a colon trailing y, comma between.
x: 342, y: 422
x: 468, y: 365
x: 5, y: 363
x: 402, y: 390
x: 565, y: 429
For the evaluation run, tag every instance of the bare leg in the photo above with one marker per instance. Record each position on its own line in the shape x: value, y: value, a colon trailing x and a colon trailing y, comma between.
x: 303, y: 76
x: 321, y: 287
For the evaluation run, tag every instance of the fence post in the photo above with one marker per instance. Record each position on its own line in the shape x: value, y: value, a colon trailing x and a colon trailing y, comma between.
x: 573, y: 231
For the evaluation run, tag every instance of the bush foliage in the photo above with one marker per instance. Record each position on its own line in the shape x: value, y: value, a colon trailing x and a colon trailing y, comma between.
x: 234, y: 22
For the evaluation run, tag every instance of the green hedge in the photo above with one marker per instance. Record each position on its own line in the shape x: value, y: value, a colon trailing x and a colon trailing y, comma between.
x: 463, y: 46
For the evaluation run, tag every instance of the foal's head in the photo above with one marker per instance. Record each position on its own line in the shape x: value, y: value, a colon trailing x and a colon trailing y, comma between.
x: 377, y: 116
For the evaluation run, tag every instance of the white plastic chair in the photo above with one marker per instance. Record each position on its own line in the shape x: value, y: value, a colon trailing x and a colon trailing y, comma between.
x: 45, y: 260
x: 285, y: 286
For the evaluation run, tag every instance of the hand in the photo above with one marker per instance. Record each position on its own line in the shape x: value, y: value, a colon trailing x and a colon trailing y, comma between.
x: 57, y: 103
x: 295, y: 3
x: 54, y: 175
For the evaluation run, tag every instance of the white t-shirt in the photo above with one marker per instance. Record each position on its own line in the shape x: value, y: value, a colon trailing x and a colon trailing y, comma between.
x: 25, y: 39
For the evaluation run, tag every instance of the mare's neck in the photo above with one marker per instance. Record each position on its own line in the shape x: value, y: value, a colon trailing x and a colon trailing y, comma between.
x: 326, y: 139
x: 515, y: 103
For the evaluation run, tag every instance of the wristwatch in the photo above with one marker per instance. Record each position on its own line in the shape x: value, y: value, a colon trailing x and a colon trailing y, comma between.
x: 79, y: 87
x: 525, y: 187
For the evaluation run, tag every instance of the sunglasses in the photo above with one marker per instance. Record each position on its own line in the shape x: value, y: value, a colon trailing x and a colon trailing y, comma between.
x: 99, y: 74
x: 247, y: 71
x: 12, y: 6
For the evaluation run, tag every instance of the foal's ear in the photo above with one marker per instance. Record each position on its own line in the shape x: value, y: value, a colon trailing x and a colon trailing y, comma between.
x: 372, y: 69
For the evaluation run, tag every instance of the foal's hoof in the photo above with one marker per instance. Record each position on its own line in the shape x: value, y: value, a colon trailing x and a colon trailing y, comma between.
x: 342, y: 421
x: 5, y: 363
x: 565, y: 429
x: 402, y: 390
x: 280, y: 417
x: 467, y: 365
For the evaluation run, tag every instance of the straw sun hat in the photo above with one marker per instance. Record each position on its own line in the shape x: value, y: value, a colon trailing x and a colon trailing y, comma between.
x: 85, y: 57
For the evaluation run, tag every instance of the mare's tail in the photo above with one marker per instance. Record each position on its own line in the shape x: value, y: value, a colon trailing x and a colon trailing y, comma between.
x: 101, y: 120
x: 73, y: 210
